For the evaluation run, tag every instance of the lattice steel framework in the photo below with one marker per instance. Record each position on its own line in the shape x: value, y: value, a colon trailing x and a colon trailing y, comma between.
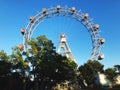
x: 84, y: 19
x: 64, y: 48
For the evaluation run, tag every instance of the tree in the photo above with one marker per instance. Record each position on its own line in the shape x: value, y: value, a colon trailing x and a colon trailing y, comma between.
x: 5, y: 64
x: 48, y: 65
x: 117, y: 68
x: 3, y: 55
x: 17, y: 58
x: 110, y: 73
x: 89, y: 70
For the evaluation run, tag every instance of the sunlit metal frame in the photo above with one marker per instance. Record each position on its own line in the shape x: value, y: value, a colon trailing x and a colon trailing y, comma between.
x: 68, y: 12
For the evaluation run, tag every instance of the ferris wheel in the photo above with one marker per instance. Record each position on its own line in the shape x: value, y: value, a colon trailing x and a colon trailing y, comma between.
x: 83, y: 18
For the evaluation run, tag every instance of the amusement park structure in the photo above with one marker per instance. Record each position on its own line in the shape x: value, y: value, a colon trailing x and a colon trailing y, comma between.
x: 83, y: 18
x: 64, y: 48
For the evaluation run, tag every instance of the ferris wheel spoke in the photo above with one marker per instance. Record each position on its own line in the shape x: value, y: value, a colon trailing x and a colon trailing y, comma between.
x: 81, y: 17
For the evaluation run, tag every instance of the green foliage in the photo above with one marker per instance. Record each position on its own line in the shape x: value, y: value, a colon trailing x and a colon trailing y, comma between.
x: 89, y: 70
x: 3, y: 55
x: 47, y: 63
x: 18, y: 61
x: 110, y: 72
x: 5, y: 64
x: 16, y: 58
x: 117, y: 68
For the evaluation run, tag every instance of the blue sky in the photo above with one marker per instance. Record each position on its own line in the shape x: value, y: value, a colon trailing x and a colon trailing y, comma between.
x: 14, y: 15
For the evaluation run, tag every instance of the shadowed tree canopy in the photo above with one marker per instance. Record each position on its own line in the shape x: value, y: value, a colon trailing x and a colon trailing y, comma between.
x: 47, y: 64
x: 89, y: 70
x: 5, y: 64
x: 117, y: 68
x: 110, y: 73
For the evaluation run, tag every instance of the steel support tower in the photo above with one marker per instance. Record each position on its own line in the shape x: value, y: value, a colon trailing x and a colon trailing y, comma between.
x: 64, y: 48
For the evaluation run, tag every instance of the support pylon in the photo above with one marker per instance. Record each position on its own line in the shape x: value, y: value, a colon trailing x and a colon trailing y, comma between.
x: 64, y: 48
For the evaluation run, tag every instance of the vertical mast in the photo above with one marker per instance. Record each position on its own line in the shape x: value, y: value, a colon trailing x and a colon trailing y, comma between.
x: 64, y: 48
